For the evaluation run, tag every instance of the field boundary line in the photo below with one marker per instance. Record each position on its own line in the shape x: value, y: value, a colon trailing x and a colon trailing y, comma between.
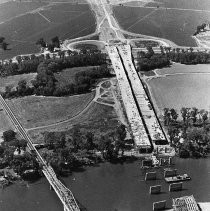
x: 143, y: 18
x: 48, y: 20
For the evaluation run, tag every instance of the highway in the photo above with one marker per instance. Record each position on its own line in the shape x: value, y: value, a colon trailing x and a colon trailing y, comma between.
x: 139, y: 134
x: 63, y: 193
x: 148, y: 114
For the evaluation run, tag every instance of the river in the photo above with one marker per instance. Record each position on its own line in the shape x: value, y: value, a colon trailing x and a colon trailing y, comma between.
x: 181, y: 86
x: 108, y: 187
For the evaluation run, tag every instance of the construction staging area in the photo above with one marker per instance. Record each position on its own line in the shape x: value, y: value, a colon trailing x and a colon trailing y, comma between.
x: 145, y: 127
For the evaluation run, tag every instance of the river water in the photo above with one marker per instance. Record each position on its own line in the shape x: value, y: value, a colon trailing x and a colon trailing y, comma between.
x: 181, y: 86
x: 108, y: 187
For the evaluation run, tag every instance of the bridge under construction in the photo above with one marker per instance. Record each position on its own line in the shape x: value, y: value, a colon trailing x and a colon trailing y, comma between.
x: 146, y: 129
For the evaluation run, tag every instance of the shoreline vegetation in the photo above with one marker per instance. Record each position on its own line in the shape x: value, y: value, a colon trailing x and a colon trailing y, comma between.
x: 16, y: 162
x: 65, y: 151
x: 147, y: 61
x: 190, y: 134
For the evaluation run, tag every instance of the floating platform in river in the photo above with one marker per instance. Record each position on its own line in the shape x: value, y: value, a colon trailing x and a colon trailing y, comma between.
x: 178, y: 178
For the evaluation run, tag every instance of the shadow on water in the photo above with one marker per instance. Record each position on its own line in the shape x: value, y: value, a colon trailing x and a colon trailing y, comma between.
x: 82, y: 208
x: 123, y: 160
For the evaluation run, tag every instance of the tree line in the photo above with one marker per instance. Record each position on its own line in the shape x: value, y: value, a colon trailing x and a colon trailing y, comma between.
x: 46, y: 83
x: 19, y: 162
x: 190, y: 134
x: 55, y: 43
x: 67, y: 59
x: 150, y: 60
x: 71, y: 150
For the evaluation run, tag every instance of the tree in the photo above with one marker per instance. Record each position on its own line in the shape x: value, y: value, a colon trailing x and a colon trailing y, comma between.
x: 162, y: 50
x: 204, y: 116
x: 166, y: 116
x: 150, y: 51
x: 1, y: 151
x: 2, y: 39
x: 195, y: 134
x: 45, y: 82
x: 174, y: 114
x: 50, y: 47
x: 49, y: 139
x: 89, y: 141
x: 69, y: 52
x: 61, y: 142
x: 76, y: 138
x: 22, y: 87
x: 47, y: 56
x: 9, y: 135
x: 41, y: 42
x: 23, y: 144
x: 194, y: 113
x: 8, y: 91
x: 56, y: 42
x: 120, y: 141
x: 19, y: 59
x: 4, y: 46
x: 184, y: 112
x: 106, y: 147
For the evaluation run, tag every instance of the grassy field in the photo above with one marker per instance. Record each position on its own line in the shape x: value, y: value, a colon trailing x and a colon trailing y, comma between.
x: 40, y: 111
x: 5, y: 123
x: 97, y: 118
x: 67, y: 76
x: 13, y: 80
x: 186, y: 4
x: 23, y: 27
x: 175, y: 25
x: 12, y: 9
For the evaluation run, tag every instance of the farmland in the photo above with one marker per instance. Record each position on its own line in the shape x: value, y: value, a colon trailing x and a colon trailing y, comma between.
x: 39, y: 111
x: 160, y: 22
x: 23, y: 25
